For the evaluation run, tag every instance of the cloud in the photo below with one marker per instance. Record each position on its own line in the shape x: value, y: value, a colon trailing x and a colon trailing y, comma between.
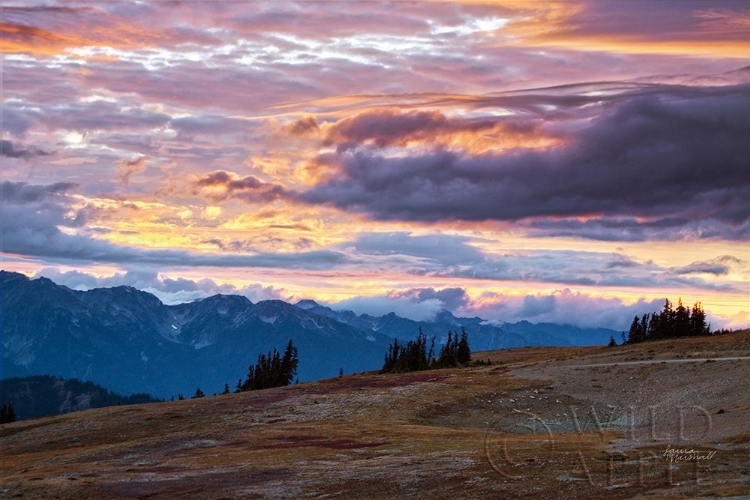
x: 418, y: 304
x: 719, y: 266
x: 32, y: 215
x: 168, y: 290
x: 534, y: 306
x: 632, y: 229
x: 621, y: 261
x: 680, y: 155
x: 562, y: 307
x: 391, y: 127
x: 453, y: 256
x: 445, y: 250
x: 47, y: 222
x: 221, y: 185
x: 303, y: 126
x: 127, y: 168
x: 21, y: 192
x: 402, y: 306
x: 450, y: 298
x: 7, y: 148
x: 50, y: 30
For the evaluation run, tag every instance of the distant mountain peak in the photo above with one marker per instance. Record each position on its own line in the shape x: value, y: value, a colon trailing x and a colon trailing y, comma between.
x: 224, y: 299
x: 307, y: 304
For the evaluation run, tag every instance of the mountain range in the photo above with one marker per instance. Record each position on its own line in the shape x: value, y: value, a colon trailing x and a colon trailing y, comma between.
x: 128, y: 341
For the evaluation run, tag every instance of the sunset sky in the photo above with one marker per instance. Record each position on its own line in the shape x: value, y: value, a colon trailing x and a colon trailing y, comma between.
x: 571, y: 161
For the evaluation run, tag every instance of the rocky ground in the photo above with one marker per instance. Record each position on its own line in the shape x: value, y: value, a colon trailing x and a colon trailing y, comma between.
x: 665, y: 419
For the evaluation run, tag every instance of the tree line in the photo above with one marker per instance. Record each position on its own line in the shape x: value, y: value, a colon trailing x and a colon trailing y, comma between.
x: 416, y: 356
x: 271, y: 370
x: 671, y: 322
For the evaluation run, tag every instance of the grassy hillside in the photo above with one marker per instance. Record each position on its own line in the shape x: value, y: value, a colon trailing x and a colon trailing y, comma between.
x: 588, y: 422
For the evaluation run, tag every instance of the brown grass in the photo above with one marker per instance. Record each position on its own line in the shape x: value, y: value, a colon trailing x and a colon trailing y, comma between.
x: 534, y: 424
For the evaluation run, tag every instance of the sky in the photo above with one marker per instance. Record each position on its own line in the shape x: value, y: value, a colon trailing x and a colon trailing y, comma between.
x: 571, y: 161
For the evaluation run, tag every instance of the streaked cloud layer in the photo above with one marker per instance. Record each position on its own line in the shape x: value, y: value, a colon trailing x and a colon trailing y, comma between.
x: 514, y: 160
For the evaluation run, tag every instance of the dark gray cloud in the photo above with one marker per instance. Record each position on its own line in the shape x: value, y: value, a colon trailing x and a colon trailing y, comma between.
x: 631, y: 229
x: 7, y: 148
x: 674, y: 156
x: 621, y: 261
x: 21, y: 192
x: 449, y: 298
x: 718, y: 267
x: 537, y: 305
x: 452, y: 298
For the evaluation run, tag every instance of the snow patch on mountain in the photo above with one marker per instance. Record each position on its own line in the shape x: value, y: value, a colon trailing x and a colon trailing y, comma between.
x: 269, y: 319
x: 201, y: 344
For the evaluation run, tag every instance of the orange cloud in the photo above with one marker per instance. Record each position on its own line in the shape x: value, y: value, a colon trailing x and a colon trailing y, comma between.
x: 81, y: 30
x: 393, y: 128
x: 630, y: 28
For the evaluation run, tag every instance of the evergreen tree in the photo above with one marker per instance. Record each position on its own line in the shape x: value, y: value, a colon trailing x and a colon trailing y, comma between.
x: 612, y: 342
x: 653, y: 326
x: 681, y: 320
x: 7, y: 413
x: 666, y: 321
x: 463, y: 351
x: 645, y: 327
x: 413, y: 356
x: 636, y: 334
x: 289, y: 364
x: 198, y: 393
x: 272, y: 370
x: 226, y: 389
x: 449, y: 351
x: 698, y: 321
